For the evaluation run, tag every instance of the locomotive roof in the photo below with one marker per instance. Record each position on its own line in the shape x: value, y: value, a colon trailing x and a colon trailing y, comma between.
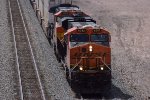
x: 97, y: 29
x: 68, y: 22
x: 62, y: 6
x: 74, y: 13
x: 67, y: 8
x: 71, y: 18
x: 80, y: 24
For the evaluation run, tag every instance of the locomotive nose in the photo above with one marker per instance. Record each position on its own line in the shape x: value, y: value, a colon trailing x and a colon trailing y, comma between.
x: 90, y: 56
x: 90, y: 48
x: 84, y: 49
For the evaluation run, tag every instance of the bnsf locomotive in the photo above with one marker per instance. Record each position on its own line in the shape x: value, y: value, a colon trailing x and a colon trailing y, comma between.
x: 82, y: 46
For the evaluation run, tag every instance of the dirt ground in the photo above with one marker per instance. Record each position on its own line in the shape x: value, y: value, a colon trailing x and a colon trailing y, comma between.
x: 128, y: 21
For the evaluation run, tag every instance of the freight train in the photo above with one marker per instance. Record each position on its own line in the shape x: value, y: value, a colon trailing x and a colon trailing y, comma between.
x: 82, y: 46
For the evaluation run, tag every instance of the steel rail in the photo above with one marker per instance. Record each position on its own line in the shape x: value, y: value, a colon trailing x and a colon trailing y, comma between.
x: 35, y: 65
x: 16, y: 51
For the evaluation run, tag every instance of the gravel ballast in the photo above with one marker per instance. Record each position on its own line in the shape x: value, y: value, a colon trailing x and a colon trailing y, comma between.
x: 130, y: 49
x: 128, y: 21
x: 52, y: 75
x: 7, y: 61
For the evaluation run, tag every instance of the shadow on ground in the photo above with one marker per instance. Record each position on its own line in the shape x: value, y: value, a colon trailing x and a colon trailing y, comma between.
x: 114, y: 93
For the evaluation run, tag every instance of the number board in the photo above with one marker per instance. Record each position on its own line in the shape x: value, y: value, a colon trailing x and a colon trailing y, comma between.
x: 96, y: 30
x: 81, y: 30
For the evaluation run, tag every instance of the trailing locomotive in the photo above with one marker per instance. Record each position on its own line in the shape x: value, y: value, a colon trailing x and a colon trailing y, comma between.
x: 82, y: 46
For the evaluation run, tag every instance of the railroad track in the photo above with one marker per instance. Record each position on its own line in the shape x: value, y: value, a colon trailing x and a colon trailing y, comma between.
x: 29, y: 87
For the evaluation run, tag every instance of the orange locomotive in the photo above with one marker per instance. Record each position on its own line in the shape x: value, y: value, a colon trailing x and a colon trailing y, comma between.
x: 81, y: 45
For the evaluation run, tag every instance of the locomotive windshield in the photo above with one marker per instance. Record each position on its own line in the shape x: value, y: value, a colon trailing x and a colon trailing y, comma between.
x: 102, y: 39
x: 99, y: 38
x: 78, y: 39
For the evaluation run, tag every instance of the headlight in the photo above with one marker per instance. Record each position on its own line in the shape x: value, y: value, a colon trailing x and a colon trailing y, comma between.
x: 102, y: 68
x: 81, y: 68
x: 90, y: 48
